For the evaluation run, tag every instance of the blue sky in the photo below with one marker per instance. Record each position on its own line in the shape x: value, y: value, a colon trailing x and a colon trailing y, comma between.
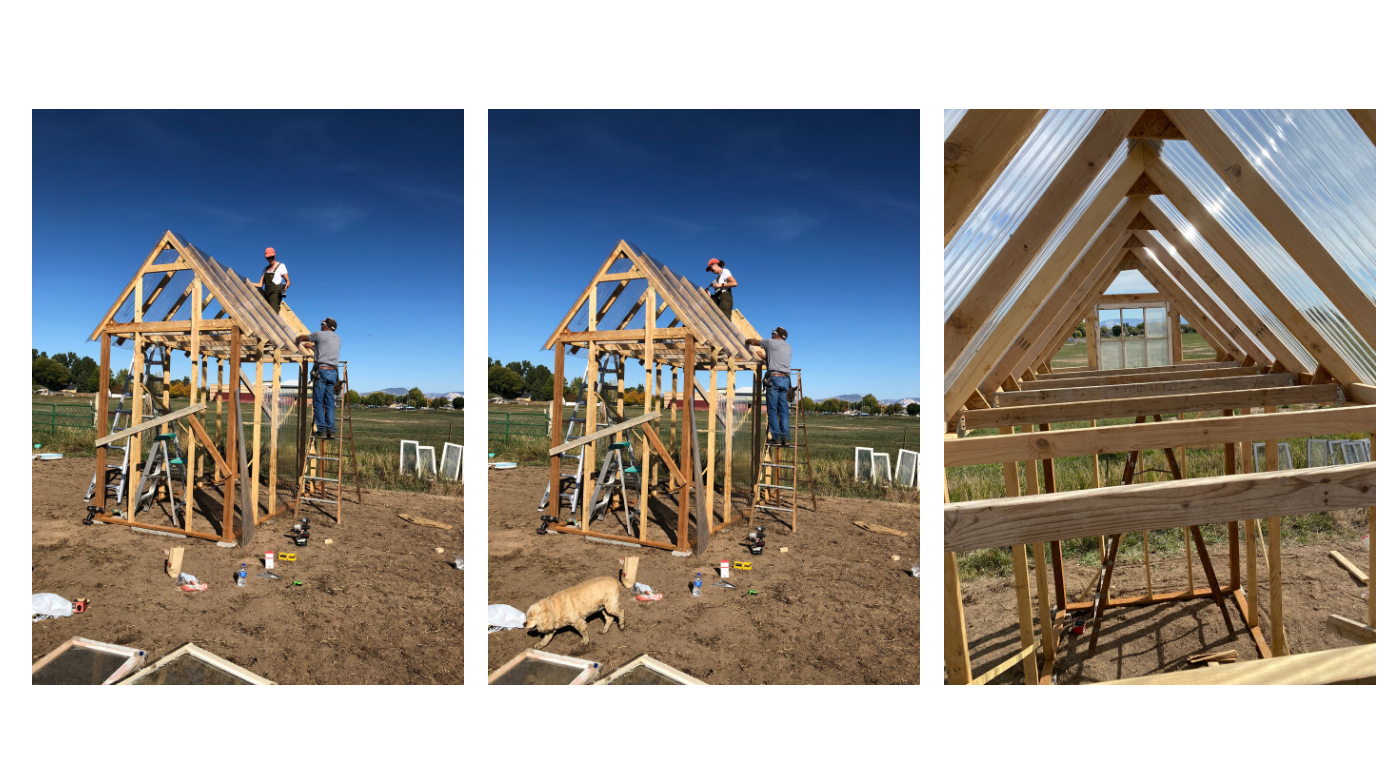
x: 815, y: 212
x: 364, y: 207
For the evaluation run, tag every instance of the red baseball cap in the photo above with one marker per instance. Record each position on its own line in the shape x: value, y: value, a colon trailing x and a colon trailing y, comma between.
x: 269, y: 252
x: 710, y: 266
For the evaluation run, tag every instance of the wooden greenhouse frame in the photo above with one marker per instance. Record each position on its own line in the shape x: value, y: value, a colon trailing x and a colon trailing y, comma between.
x: 243, y: 330
x: 1008, y: 383
x: 698, y: 337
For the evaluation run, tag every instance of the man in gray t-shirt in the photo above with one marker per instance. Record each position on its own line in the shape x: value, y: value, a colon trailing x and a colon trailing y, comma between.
x: 778, y: 386
x: 325, y: 376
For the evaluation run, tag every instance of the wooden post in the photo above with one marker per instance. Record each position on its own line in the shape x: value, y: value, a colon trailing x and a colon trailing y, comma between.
x: 649, y: 362
x: 274, y: 418
x: 957, y: 668
x: 1250, y: 530
x: 729, y: 444
x: 1273, y: 571
x: 1176, y: 337
x: 1023, y: 585
x: 591, y: 426
x: 232, y: 454
x: 659, y: 399
x: 687, y: 439
x: 1047, y: 624
x: 220, y: 384
x: 558, y: 409
x: 167, y: 394
x: 618, y: 365
x: 197, y: 380
x: 1371, y: 553
x: 135, y: 442
x: 712, y: 420
x: 1091, y: 338
x: 103, y: 419
x: 1097, y: 474
x: 255, y: 462
x: 1234, y: 555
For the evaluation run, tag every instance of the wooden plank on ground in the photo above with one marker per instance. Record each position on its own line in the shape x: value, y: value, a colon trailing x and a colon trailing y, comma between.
x: 424, y: 521
x: 992, y: 523
x: 1347, y: 628
x: 1320, y: 668
x: 1350, y: 567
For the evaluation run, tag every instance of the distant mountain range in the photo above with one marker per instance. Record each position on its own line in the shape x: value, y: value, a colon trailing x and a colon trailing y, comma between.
x: 881, y: 401
x: 403, y: 391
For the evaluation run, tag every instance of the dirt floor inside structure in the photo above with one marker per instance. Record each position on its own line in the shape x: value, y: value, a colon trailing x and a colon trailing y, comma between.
x: 378, y: 605
x: 834, y: 609
x: 1140, y: 640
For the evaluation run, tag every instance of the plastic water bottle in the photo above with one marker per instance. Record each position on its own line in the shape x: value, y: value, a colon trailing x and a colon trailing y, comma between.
x: 696, y: 591
x: 240, y: 578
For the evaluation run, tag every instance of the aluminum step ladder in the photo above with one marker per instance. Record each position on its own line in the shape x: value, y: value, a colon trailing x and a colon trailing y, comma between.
x: 320, y: 470
x: 162, y: 470
x: 119, y: 423
x: 613, y: 474
x: 576, y: 429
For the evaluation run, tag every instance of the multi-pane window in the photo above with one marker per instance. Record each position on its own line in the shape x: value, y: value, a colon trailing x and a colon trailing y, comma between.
x: 1133, y: 337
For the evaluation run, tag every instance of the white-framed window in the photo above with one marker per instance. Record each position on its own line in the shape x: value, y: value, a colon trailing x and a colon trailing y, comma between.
x: 1130, y: 337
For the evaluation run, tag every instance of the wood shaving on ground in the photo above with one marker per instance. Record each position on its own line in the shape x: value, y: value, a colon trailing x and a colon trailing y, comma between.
x: 1222, y: 656
x: 872, y: 527
x: 424, y: 521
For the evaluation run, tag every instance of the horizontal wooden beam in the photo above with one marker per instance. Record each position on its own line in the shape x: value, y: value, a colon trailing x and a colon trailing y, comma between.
x: 1348, y: 628
x: 998, y: 523
x: 1145, y: 389
x: 605, y: 432
x: 1361, y: 392
x: 617, y: 335
x: 1339, y: 665
x: 159, y: 421
x: 620, y: 276
x: 1129, y: 300
x: 1065, y: 412
x: 1033, y: 446
x: 1139, y: 601
x: 151, y: 327
x: 1079, y: 373
x: 1065, y: 381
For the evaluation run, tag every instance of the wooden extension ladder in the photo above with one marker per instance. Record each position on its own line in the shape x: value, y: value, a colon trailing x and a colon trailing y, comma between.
x: 771, y: 481
x: 322, y: 462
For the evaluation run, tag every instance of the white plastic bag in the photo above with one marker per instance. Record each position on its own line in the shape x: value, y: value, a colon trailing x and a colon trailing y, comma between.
x: 503, y: 617
x: 51, y: 606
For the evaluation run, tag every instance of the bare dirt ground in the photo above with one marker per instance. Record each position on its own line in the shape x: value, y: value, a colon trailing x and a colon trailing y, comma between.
x: 834, y: 609
x: 1136, y: 641
x: 378, y: 605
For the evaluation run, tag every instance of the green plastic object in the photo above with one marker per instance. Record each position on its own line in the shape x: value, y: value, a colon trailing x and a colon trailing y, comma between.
x: 630, y: 470
x: 619, y: 446
x: 163, y: 437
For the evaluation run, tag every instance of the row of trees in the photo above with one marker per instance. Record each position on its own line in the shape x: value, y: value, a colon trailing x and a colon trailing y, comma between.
x: 414, y: 398
x: 63, y: 369
x: 868, y: 404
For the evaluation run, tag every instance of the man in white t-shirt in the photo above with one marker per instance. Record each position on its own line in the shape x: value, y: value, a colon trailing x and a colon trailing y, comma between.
x: 275, y: 282
x: 723, y: 282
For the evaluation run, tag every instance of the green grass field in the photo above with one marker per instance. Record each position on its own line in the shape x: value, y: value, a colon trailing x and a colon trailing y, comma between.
x: 377, y: 434
x: 520, y: 436
x: 1076, y: 354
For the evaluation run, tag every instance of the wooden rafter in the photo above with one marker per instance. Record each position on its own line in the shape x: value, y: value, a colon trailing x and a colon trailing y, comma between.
x: 1025, y: 242
x: 976, y: 152
x: 1244, y: 266
x: 1236, y: 170
x: 1065, y: 261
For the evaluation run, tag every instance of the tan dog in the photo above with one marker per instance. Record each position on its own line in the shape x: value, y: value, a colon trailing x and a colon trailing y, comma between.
x: 572, y: 606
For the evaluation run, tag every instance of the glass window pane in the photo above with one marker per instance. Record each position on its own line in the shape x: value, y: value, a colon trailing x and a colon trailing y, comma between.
x: 1159, y: 352
x: 1155, y: 322
x: 1110, y: 354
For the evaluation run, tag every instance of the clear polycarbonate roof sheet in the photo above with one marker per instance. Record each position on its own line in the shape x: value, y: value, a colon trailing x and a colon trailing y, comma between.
x: 1167, y: 253
x: 952, y: 117
x: 1229, y: 211
x: 603, y: 291
x: 1324, y: 167
x: 1011, y: 197
x: 1238, y: 285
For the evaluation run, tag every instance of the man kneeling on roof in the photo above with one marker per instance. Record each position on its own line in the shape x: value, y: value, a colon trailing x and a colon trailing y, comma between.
x: 275, y: 282
x: 326, y: 344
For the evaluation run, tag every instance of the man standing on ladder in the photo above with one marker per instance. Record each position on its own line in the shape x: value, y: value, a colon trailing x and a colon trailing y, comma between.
x: 325, y: 372
x: 275, y: 282
x: 778, y: 386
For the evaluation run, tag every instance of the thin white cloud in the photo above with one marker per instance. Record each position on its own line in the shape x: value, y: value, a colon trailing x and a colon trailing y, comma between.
x: 784, y: 226
x: 331, y: 219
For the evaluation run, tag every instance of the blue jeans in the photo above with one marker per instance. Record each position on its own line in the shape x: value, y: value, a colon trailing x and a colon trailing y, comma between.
x: 779, y: 408
x: 324, y: 400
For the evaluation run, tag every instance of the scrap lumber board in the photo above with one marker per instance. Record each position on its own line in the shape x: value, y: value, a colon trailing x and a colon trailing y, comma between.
x: 605, y: 432
x: 872, y: 527
x: 147, y: 425
x: 1349, y: 566
x: 1318, y: 668
x: 424, y: 521
x: 1347, y: 628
